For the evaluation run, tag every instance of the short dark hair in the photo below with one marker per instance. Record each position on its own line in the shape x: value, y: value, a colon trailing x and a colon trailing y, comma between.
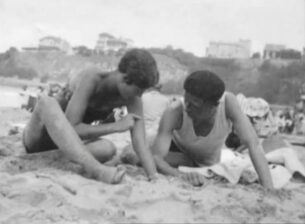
x: 205, y: 85
x: 140, y: 68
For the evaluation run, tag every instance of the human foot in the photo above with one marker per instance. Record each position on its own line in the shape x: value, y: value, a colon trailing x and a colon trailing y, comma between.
x: 128, y: 156
x: 110, y: 175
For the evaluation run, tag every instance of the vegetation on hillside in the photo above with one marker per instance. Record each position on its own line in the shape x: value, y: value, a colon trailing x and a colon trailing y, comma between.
x: 276, y: 81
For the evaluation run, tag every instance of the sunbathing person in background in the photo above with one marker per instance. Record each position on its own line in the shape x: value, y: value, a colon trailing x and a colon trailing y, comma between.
x: 64, y: 122
x: 277, y: 149
x: 193, y: 133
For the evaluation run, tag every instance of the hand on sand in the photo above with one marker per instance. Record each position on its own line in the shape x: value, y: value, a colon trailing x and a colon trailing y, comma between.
x: 193, y: 178
x: 153, y: 177
x: 127, y: 122
x: 110, y: 175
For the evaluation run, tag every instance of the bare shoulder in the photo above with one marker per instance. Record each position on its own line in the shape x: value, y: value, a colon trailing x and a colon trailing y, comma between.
x: 229, y: 96
x: 231, y: 100
x: 173, y: 114
x: 85, y: 76
x: 135, y: 105
x: 174, y: 107
x: 232, y: 106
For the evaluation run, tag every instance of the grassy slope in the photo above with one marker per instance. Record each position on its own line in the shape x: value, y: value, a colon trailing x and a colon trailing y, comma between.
x: 239, y: 75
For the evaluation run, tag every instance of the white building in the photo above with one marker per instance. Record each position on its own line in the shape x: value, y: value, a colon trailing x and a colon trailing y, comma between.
x: 107, y: 43
x: 271, y: 50
x: 241, y: 49
x: 54, y: 43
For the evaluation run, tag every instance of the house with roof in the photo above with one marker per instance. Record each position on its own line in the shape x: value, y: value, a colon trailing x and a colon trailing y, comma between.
x: 107, y: 43
x: 271, y: 50
x: 49, y: 44
x: 53, y: 43
x: 240, y: 49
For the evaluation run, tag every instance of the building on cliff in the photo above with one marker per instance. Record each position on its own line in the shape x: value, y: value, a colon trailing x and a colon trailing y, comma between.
x: 107, y: 43
x: 271, y: 50
x: 53, y: 43
x: 240, y: 49
x: 49, y: 44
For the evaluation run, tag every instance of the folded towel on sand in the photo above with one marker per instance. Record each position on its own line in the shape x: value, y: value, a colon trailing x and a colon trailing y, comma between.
x: 235, y: 167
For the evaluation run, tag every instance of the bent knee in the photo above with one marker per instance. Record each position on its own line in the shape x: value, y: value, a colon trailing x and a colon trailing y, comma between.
x: 102, y: 150
x: 110, y: 148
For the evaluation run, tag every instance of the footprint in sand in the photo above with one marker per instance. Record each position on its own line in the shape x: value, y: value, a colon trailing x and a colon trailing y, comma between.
x: 32, y: 198
x: 231, y: 213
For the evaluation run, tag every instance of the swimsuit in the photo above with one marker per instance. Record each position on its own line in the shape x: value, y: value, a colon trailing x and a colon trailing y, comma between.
x: 189, y: 143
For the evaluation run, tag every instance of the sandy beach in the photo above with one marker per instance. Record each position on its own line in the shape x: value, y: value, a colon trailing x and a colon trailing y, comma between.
x: 48, y: 188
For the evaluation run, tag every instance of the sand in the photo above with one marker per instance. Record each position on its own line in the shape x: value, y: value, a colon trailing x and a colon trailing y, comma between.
x: 48, y: 188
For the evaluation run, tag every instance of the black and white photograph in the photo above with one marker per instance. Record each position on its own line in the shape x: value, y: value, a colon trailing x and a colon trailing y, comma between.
x: 152, y: 111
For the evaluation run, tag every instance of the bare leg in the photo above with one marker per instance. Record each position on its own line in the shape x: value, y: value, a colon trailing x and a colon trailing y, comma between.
x: 288, y: 157
x: 103, y: 150
x: 67, y: 140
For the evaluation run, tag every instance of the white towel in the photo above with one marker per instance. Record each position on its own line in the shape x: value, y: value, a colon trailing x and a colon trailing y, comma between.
x: 284, y: 164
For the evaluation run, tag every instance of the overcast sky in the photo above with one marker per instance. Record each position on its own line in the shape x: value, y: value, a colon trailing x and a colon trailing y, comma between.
x: 186, y: 24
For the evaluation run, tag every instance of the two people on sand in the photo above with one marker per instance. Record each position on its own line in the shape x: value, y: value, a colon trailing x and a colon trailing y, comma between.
x: 190, y: 132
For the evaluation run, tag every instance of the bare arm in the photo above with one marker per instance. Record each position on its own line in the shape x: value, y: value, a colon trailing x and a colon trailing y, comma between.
x: 248, y: 137
x: 168, y: 122
x: 171, y: 120
x: 77, y: 107
x: 138, y: 138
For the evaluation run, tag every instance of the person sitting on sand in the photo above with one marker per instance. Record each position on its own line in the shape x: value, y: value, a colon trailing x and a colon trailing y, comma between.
x: 193, y: 133
x: 64, y: 121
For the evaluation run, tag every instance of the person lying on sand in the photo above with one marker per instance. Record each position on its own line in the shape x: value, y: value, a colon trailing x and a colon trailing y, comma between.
x: 193, y: 133
x: 277, y: 149
x: 64, y: 122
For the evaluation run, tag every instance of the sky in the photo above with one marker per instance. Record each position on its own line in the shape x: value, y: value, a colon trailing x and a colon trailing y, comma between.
x: 186, y: 24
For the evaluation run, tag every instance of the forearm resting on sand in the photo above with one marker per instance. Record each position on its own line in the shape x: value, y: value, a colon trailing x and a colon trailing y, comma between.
x: 144, y: 154
x: 165, y: 168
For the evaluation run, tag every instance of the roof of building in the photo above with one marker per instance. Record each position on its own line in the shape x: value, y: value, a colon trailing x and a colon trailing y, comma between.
x: 51, y: 37
x: 226, y: 44
x: 106, y: 35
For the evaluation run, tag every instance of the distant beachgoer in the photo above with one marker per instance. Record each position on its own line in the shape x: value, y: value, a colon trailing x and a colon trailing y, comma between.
x: 65, y: 122
x: 289, y: 121
x: 280, y: 121
x: 260, y: 115
x: 193, y: 133
x: 24, y: 87
x: 299, y: 121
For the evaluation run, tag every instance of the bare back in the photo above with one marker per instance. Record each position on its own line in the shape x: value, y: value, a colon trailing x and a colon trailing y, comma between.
x: 103, y: 95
